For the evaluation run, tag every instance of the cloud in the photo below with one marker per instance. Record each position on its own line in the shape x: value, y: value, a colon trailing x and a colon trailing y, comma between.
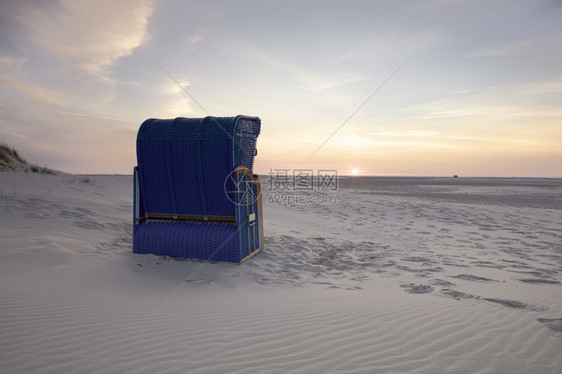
x: 11, y: 63
x: 194, y: 40
x: 198, y: 36
x: 441, y: 3
x: 87, y: 35
x: 10, y: 75
x: 174, y: 101
x: 521, y: 47
x: 298, y: 76
x: 89, y: 115
x: 38, y: 93
x: 71, y: 142
x: 406, y: 133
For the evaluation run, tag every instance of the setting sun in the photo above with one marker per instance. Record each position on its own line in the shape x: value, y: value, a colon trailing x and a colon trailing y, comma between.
x: 354, y: 171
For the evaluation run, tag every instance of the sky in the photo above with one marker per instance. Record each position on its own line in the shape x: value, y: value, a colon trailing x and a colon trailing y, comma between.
x: 421, y: 87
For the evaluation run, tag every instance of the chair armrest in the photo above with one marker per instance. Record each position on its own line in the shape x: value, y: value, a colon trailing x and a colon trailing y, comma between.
x: 255, y: 179
x: 247, y: 172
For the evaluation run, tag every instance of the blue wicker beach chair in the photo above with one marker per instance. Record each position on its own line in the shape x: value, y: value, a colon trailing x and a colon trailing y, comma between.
x: 196, y: 196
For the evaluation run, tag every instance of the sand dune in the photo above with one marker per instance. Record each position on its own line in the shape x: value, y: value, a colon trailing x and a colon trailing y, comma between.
x: 400, y: 275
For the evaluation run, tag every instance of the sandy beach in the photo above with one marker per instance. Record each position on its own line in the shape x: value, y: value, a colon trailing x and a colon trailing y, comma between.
x: 379, y: 275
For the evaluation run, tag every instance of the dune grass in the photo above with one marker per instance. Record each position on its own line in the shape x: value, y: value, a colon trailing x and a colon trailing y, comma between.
x: 10, y: 160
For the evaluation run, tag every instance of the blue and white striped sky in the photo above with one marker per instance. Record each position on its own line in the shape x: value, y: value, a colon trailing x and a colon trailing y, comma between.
x: 481, y: 94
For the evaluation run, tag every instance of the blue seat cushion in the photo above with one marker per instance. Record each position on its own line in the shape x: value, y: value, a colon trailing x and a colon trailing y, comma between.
x: 188, y: 240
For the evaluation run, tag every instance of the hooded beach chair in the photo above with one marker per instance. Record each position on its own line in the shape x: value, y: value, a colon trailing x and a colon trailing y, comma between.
x: 195, y: 194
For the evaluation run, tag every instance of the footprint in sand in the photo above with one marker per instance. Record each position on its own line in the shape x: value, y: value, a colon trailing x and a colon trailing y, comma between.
x: 457, y: 294
x: 508, y: 303
x: 474, y: 278
x: 417, y: 288
x: 538, y: 281
x: 487, y: 264
x: 89, y: 225
x: 553, y: 324
x: 418, y: 259
x: 442, y: 283
x: 37, y: 215
x: 514, y: 304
